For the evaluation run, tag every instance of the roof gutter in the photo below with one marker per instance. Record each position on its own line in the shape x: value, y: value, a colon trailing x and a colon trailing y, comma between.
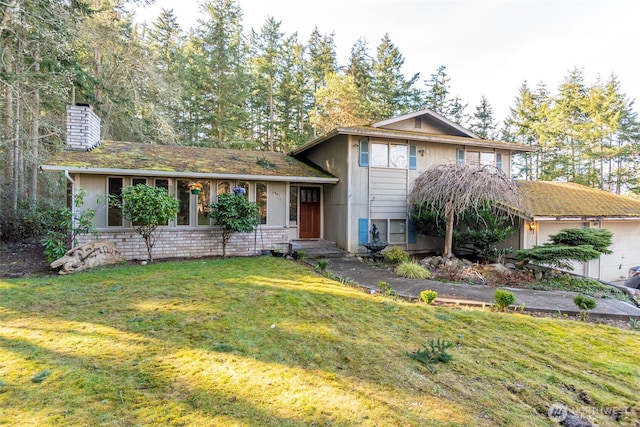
x: 174, y: 174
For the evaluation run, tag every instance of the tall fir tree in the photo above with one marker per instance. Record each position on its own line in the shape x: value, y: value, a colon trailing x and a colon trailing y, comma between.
x: 218, y: 64
x: 483, y: 123
x: 392, y: 93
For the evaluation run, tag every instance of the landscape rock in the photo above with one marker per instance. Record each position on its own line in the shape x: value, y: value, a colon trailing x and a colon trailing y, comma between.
x: 88, y: 256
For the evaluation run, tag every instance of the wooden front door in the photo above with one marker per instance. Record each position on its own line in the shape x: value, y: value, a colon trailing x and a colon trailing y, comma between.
x: 309, y: 213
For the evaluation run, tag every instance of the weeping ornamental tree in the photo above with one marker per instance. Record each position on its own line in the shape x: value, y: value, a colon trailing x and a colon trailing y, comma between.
x: 451, y: 190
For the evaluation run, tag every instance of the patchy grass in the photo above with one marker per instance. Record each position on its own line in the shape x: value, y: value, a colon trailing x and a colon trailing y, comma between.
x: 264, y: 341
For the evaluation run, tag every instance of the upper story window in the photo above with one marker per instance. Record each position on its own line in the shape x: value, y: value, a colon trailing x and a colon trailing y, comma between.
x: 387, y: 155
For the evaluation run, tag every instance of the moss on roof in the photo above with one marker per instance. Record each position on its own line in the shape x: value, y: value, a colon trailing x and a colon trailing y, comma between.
x: 566, y: 199
x: 175, y: 158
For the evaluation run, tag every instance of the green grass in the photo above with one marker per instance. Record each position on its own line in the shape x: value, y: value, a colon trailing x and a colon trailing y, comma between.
x: 268, y: 342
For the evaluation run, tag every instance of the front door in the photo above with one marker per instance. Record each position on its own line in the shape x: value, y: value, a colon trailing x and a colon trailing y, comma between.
x: 309, y: 212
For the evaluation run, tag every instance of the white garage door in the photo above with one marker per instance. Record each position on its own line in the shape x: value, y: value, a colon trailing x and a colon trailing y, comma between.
x: 625, y: 247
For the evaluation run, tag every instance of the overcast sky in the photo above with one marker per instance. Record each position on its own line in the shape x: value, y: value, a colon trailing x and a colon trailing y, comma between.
x: 488, y: 46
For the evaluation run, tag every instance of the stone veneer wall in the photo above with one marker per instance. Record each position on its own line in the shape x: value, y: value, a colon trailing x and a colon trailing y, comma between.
x: 192, y: 243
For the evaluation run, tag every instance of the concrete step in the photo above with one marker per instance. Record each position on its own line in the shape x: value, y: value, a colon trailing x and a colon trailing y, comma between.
x: 316, y: 248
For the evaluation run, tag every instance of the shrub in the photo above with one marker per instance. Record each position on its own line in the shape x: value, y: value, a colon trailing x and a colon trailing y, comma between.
x: 433, y: 351
x: 571, y: 244
x: 428, y: 296
x: 64, y: 227
x: 148, y: 207
x: 412, y: 270
x: 386, y: 289
x: 396, y: 255
x: 584, y: 303
x: 503, y: 299
x: 322, y: 264
x: 234, y: 213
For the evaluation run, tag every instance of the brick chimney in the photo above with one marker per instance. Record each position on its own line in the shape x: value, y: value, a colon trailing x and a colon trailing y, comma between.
x: 83, y: 128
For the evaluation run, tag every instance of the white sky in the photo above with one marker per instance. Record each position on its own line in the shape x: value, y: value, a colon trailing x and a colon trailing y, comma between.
x: 488, y: 46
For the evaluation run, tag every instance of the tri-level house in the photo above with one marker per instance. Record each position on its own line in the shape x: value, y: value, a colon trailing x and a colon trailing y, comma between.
x: 335, y: 187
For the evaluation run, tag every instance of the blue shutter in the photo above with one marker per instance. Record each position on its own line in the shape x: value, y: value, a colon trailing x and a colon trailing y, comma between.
x: 363, y: 230
x: 413, y: 158
x: 413, y: 236
x: 364, y: 153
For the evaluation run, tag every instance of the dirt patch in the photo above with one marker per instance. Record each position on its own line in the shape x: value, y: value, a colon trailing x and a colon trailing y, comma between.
x: 23, y: 259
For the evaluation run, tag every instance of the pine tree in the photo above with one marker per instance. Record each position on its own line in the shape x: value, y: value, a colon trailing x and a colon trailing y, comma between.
x: 483, y: 123
x: 266, y: 75
x: 393, y: 94
x: 218, y: 64
x: 438, y: 97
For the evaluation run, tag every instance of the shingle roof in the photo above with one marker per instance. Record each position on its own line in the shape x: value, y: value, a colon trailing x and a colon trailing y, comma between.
x: 566, y: 199
x: 164, y: 159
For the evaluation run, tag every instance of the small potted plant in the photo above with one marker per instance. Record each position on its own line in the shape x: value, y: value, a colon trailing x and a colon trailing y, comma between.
x: 195, y: 187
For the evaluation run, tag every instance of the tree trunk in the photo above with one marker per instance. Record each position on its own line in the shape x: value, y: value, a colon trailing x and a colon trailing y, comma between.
x: 35, y: 143
x: 448, y: 238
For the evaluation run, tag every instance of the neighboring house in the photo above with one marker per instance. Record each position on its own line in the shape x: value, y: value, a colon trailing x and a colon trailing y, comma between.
x: 552, y: 206
x: 334, y: 187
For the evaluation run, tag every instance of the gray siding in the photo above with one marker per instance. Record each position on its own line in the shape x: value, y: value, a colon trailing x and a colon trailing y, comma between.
x: 332, y: 156
x: 388, y: 189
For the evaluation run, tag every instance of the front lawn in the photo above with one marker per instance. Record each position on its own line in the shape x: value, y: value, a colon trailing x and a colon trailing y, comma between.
x: 266, y: 341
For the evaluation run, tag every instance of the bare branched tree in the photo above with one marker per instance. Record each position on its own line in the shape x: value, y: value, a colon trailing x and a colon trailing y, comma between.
x: 452, y: 189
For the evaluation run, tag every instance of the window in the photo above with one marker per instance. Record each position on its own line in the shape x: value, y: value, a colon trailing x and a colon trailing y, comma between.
x: 488, y: 159
x: 163, y: 183
x: 398, y: 156
x: 364, y: 153
x: 417, y: 123
x: 380, y: 155
x: 224, y: 187
x: 473, y: 157
x: 245, y: 185
x: 204, y: 199
x: 136, y: 181
x: 293, y: 205
x: 114, y: 214
x: 460, y: 157
x: 184, y: 202
x: 397, y: 230
x: 499, y: 161
x: 261, y: 200
x: 413, y: 157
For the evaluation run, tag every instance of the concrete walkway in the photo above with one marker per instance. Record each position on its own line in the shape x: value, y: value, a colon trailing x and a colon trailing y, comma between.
x: 369, y: 276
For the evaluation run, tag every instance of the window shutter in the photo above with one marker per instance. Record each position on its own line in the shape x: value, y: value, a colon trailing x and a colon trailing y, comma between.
x: 364, y: 153
x: 413, y: 157
x: 413, y: 236
x: 363, y: 230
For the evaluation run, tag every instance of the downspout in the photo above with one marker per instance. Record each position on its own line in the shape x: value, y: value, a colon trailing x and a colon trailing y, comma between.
x: 73, y: 202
